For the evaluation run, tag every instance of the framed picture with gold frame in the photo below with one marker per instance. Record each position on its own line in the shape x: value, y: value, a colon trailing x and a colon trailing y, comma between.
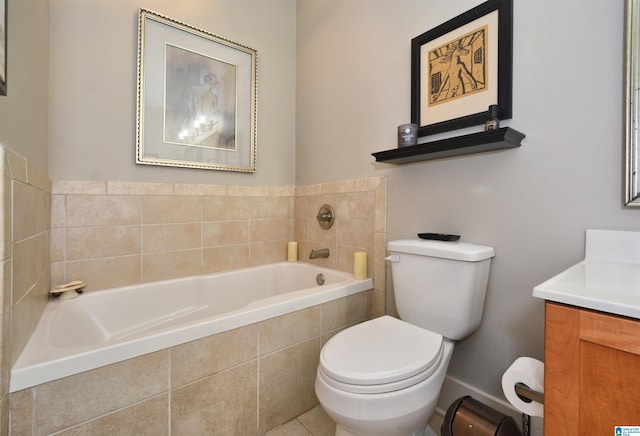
x: 197, y: 102
x: 461, y: 67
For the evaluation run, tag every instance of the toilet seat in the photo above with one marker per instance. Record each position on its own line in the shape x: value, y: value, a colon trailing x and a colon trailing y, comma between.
x: 381, y: 355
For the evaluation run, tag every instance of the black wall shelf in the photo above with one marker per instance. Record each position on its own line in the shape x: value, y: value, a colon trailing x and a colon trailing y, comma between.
x: 499, y: 139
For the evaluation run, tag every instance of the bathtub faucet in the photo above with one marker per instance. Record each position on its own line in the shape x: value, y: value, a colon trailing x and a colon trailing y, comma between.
x: 315, y: 254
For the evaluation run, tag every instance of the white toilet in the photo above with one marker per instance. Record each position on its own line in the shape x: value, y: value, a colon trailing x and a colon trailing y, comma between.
x: 383, y: 377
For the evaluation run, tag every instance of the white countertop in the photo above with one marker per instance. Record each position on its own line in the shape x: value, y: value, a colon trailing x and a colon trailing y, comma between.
x: 607, y: 286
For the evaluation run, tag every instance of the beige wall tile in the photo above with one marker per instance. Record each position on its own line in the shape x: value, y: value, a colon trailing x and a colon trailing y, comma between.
x: 269, y: 230
x: 269, y: 207
x: 171, y: 209
x: 58, y: 248
x: 158, y: 238
x: 225, y: 208
x: 103, y: 210
x: 25, y: 315
x: 195, y: 189
x: 17, y: 165
x: 21, y: 406
x: 356, y: 205
x: 58, y: 273
x: 339, y: 186
x: 97, y: 242
x: 31, y: 211
x: 198, y: 359
x: 379, y: 304
x: 290, y: 329
x: 74, y: 399
x: 58, y: 211
x: 356, y: 233
x: 381, y: 208
x: 268, y: 252
x: 6, y: 201
x: 78, y: 187
x: 301, y: 207
x: 248, y: 191
x: 291, y: 236
x: 223, y: 404
x: 225, y: 258
x: 281, y: 191
x: 171, y: 265
x: 300, y: 229
x: 115, y: 187
x: 5, y: 326
x: 301, y: 191
x: 38, y: 178
x: 147, y: 418
x: 30, y: 263
x: 368, y: 184
x: 344, y: 311
x: 318, y: 235
x: 106, y: 273
x: 4, y: 414
x: 217, y: 233
x: 380, y: 264
x: 287, y: 383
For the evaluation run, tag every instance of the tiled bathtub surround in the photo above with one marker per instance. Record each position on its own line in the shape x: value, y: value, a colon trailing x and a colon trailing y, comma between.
x: 111, y: 234
x: 360, y: 225
x: 248, y: 381
x: 25, y: 197
x: 242, y: 382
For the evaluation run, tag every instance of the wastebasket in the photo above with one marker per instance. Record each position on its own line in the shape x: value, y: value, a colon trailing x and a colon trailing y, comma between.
x: 468, y: 417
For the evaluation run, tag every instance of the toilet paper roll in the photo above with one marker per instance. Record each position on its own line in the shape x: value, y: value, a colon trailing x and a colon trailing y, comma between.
x: 530, y: 372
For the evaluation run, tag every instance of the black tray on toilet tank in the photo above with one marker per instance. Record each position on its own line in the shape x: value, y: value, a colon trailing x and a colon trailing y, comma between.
x: 439, y: 237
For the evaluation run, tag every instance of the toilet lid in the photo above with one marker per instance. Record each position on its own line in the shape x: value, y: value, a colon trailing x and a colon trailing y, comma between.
x: 382, y: 351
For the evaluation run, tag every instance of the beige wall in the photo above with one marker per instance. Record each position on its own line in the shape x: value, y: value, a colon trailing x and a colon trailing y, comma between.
x: 93, y: 87
x: 24, y: 111
x: 24, y: 190
x: 533, y: 203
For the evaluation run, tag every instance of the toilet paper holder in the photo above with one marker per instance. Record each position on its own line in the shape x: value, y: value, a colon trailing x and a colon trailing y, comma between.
x: 527, y: 394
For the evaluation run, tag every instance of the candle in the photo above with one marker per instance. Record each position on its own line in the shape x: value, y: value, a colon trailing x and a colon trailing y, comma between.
x: 407, y: 135
x: 360, y: 265
x: 292, y: 251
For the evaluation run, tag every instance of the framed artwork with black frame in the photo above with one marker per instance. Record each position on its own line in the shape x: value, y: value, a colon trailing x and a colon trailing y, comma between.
x: 461, y: 67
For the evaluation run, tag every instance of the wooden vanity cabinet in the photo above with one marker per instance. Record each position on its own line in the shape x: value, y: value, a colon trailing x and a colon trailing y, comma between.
x: 591, y: 372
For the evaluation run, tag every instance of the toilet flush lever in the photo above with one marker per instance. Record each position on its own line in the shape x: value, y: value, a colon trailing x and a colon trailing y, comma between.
x: 393, y: 258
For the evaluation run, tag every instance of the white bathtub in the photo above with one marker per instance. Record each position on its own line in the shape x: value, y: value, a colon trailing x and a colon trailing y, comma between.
x: 105, y: 327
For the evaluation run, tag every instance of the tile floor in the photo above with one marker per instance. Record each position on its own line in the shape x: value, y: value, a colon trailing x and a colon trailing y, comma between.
x: 316, y: 422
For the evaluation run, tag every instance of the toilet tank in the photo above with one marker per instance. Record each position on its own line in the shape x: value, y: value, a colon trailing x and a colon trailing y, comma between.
x: 440, y: 286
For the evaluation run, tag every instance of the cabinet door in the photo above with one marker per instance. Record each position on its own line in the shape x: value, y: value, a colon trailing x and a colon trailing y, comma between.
x: 592, y: 372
